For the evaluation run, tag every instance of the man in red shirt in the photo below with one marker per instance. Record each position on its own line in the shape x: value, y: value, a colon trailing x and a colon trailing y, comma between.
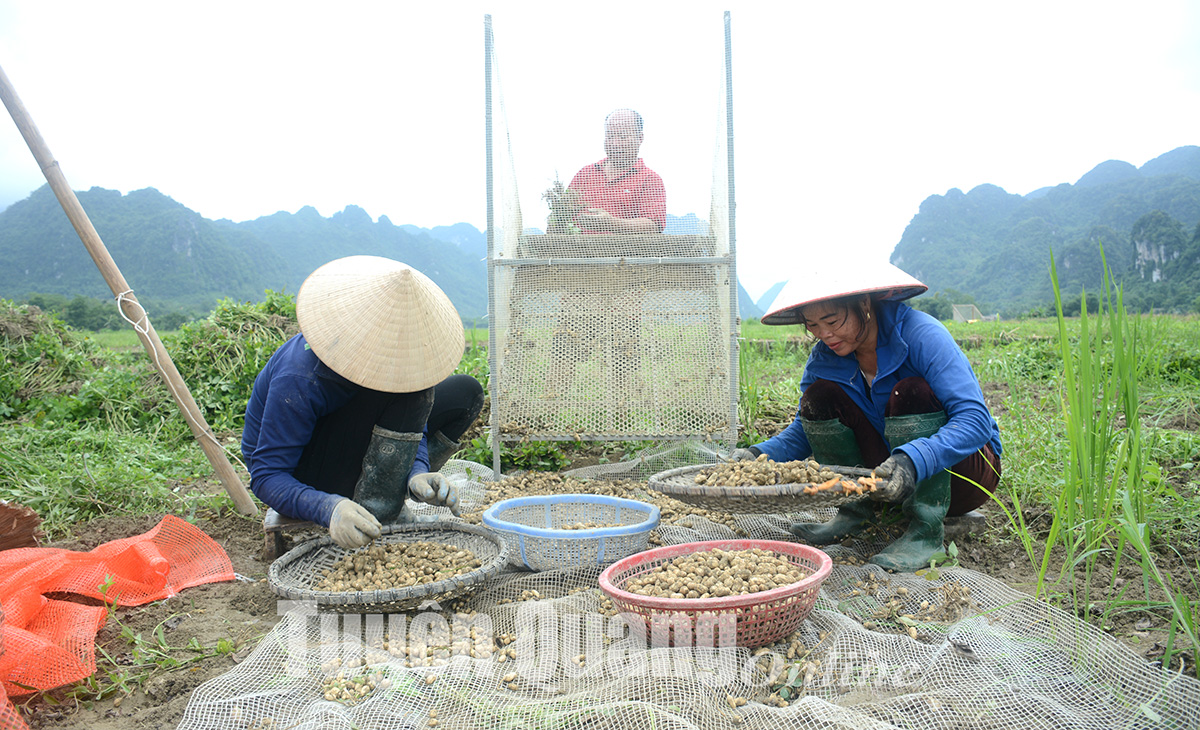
x: 619, y: 194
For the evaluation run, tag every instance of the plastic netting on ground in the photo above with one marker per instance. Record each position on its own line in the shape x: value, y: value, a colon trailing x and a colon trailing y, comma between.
x: 960, y: 650
x: 598, y: 326
x: 50, y: 642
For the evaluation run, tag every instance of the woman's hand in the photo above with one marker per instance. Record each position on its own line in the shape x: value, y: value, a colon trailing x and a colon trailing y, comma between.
x: 901, y: 476
x: 433, y: 488
x: 351, y: 525
x: 743, y: 455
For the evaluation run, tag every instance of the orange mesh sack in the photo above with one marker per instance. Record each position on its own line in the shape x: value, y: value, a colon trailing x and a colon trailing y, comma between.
x: 58, y: 647
x: 10, y: 719
x: 51, y: 643
x: 148, y: 567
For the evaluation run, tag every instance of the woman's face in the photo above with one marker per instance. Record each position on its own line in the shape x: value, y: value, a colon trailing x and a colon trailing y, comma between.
x: 835, y: 325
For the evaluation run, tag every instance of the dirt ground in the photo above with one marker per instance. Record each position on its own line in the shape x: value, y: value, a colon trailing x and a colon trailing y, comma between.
x: 228, y: 619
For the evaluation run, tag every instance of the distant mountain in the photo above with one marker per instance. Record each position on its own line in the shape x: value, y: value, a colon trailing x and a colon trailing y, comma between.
x: 766, y: 300
x: 309, y: 240
x: 1180, y: 161
x: 165, y: 251
x: 1112, y: 171
x: 467, y: 237
x: 175, y: 257
x: 747, y: 309
x: 995, y: 247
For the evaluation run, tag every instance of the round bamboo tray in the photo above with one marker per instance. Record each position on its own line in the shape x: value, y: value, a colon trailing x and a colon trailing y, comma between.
x: 296, y: 571
x: 766, y: 499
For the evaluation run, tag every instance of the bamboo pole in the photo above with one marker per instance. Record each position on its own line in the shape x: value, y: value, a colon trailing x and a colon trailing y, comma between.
x: 126, y: 300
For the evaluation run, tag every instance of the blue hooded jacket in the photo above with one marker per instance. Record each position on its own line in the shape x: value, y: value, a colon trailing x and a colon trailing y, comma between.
x: 293, y: 392
x: 909, y: 343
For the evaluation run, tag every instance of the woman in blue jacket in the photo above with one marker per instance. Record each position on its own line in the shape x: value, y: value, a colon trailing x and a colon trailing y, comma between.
x: 358, y: 412
x: 886, y: 387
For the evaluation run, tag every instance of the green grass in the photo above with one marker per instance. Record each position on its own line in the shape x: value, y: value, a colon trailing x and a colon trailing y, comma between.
x: 70, y: 472
x: 753, y: 329
x: 122, y: 339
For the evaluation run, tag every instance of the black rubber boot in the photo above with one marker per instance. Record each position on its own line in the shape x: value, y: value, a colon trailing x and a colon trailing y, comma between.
x: 926, y: 508
x: 441, y: 448
x: 383, y: 485
x: 833, y: 443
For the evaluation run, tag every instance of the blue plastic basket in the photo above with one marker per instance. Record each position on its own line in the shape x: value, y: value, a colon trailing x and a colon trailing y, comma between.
x: 533, y: 529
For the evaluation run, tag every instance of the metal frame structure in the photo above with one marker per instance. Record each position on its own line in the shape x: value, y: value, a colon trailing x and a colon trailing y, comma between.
x: 526, y: 261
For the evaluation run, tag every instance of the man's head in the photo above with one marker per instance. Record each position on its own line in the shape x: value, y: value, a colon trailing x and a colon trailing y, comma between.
x: 623, y: 135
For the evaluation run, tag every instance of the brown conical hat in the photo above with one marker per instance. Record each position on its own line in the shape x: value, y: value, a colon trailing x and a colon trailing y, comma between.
x: 879, y: 279
x: 380, y: 324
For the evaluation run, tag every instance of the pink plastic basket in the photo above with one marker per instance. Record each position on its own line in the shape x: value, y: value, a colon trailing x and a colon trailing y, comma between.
x: 759, y: 618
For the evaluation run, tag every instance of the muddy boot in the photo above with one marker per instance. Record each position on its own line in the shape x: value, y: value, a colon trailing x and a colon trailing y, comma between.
x: 925, y: 509
x: 833, y: 443
x: 383, y: 485
x: 441, y: 448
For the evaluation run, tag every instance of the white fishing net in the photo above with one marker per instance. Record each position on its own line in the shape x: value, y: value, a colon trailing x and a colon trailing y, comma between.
x: 544, y: 650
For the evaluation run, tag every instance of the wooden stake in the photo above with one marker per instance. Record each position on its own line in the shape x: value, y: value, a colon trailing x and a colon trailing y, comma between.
x: 126, y: 300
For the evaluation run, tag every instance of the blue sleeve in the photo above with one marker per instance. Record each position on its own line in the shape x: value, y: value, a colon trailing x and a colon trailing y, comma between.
x: 969, y: 424
x: 289, y: 417
x: 421, y: 462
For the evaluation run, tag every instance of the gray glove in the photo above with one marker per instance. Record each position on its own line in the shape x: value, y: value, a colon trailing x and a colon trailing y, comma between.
x: 901, y: 479
x: 743, y: 455
x: 433, y: 488
x: 351, y: 525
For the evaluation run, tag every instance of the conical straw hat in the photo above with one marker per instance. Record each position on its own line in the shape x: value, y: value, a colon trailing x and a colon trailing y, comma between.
x: 879, y: 279
x: 380, y: 324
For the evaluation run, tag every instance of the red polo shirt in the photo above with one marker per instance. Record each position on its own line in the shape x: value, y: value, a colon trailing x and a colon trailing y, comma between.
x: 639, y: 193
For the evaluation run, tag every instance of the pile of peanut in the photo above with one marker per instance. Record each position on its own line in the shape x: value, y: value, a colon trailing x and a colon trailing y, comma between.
x: 717, y: 573
x: 396, y: 565
x: 762, y: 471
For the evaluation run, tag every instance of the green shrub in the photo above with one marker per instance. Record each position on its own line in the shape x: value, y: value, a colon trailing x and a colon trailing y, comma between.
x: 220, y: 356
x: 519, y: 456
x: 43, y: 359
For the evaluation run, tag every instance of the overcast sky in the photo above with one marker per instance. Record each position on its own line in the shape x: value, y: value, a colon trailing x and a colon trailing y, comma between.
x: 847, y: 114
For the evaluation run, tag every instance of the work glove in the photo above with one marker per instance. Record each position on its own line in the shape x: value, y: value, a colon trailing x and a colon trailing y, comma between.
x: 351, y: 525
x: 743, y: 455
x: 433, y: 488
x: 900, y: 475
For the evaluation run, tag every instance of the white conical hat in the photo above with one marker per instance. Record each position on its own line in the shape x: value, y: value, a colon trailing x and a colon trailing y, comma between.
x: 879, y: 279
x: 380, y: 324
